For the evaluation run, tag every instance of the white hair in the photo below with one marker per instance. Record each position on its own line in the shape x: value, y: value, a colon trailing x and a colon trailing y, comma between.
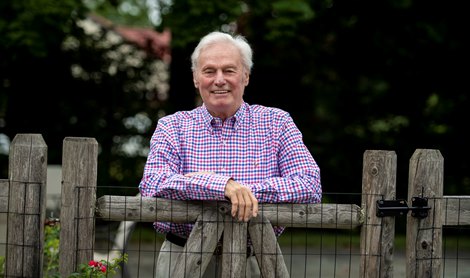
x: 214, y: 37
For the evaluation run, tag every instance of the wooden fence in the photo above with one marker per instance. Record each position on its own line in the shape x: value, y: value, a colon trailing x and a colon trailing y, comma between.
x: 22, y: 198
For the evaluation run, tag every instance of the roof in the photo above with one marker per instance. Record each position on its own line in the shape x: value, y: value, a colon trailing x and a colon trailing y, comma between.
x: 153, y: 42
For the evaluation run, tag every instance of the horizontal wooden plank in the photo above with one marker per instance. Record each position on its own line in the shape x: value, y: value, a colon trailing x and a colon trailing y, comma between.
x: 147, y: 209
x: 456, y: 210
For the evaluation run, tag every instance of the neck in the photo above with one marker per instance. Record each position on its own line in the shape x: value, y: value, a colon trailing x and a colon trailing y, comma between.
x: 223, y: 115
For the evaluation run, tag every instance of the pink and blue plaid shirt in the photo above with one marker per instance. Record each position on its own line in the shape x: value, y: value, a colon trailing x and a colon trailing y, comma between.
x: 259, y: 147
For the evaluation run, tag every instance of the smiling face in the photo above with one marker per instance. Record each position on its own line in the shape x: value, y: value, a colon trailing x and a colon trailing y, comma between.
x: 221, y: 79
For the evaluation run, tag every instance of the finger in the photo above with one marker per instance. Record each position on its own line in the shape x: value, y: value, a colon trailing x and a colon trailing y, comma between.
x: 255, y: 205
x: 248, y: 206
x: 234, y: 201
x: 241, y: 206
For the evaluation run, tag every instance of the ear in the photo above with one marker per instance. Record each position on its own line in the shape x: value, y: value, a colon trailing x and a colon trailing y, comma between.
x: 196, y: 83
x: 247, y: 78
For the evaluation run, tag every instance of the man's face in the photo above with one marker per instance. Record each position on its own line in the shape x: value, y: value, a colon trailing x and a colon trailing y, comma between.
x: 221, y: 79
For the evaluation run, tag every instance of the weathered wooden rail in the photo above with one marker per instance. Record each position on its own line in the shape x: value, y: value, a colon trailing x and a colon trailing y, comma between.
x: 145, y: 209
x: 213, y: 218
x: 22, y: 197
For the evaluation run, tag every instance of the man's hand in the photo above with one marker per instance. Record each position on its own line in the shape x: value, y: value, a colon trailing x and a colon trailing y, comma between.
x: 243, y: 200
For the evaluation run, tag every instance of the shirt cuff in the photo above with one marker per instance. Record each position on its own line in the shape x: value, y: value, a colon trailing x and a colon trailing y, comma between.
x: 217, y: 184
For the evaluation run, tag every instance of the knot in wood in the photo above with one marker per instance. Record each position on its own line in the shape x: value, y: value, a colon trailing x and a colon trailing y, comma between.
x: 424, y: 244
x: 151, y: 208
x: 223, y: 209
x: 374, y: 170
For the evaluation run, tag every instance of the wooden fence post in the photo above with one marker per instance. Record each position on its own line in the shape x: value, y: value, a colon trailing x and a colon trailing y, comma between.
x: 27, y: 206
x: 79, y: 176
x: 200, y: 246
x: 267, y: 251
x: 424, y: 236
x: 377, y: 234
x: 234, y: 248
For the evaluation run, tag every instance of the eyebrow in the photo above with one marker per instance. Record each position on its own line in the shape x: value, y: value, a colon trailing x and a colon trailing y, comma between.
x: 210, y: 66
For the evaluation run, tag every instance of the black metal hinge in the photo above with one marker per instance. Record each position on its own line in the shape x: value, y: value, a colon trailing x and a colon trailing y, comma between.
x: 419, y: 207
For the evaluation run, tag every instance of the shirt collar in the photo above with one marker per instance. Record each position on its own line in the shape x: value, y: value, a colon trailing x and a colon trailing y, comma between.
x: 238, y: 117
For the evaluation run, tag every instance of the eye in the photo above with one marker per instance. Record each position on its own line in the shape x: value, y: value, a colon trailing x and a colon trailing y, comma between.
x: 230, y: 70
x: 208, y: 71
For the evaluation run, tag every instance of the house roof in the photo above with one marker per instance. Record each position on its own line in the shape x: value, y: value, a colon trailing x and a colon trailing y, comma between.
x: 153, y: 42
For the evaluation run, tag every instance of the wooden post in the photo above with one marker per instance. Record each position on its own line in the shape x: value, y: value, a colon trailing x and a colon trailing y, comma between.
x: 27, y: 206
x: 234, y: 248
x: 79, y: 175
x: 424, y: 236
x: 4, y: 193
x: 267, y: 250
x: 201, y: 245
x: 377, y: 234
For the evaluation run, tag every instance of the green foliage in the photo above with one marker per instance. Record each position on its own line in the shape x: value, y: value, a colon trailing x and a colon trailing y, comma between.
x: 51, y: 250
x: 126, y: 12
x: 101, y: 268
x: 34, y: 26
x: 125, y: 89
x: 209, y: 16
x: 81, y: 80
x: 286, y: 15
x: 354, y: 75
x: 2, y: 266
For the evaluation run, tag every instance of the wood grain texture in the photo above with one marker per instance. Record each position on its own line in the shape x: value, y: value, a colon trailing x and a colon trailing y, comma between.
x: 26, y: 206
x: 147, y: 209
x: 424, y: 236
x: 200, y: 246
x: 377, y: 234
x: 79, y: 174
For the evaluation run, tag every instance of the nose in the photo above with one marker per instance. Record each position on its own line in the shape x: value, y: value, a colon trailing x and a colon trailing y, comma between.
x: 219, y: 78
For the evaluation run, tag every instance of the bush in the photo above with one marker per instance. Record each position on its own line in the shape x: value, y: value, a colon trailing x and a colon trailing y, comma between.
x: 51, y: 259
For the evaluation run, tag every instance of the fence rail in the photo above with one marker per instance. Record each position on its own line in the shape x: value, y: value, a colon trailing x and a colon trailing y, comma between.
x: 145, y: 209
x: 22, y: 198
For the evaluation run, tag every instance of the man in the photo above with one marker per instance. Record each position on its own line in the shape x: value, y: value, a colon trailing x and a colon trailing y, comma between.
x: 226, y: 148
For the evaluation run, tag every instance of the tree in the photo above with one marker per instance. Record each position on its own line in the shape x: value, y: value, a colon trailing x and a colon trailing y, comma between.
x: 84, y: 80
x: 31, y: 63
x: 355, y: 75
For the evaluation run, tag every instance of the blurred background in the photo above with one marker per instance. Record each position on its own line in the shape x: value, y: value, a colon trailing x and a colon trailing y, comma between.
x: 354, y: 75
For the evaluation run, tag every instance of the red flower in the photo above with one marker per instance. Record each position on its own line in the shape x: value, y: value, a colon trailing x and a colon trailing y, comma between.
x: 92, y: 263
x: 103, y: 268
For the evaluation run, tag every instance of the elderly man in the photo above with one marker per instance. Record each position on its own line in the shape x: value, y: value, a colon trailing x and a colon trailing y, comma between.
x: 226, y: 148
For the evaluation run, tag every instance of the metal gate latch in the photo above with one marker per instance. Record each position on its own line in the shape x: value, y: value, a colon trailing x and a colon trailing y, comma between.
x: 419, y: 207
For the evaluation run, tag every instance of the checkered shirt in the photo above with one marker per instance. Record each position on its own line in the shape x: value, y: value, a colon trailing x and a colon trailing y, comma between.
x: 259, y: 147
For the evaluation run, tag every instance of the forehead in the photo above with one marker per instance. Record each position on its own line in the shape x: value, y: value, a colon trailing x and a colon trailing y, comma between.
x: 219, y: 53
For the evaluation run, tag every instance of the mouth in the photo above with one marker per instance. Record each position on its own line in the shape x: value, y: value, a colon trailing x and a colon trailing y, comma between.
x: 220, y: 92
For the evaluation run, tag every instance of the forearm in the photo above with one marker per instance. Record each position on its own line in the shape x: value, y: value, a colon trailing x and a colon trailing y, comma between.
x: 166, y: 184
x: 290, y: 189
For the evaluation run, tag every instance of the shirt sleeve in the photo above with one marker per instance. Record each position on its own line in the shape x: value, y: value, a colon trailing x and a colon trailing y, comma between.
x: 163, y: 176
x: 299, y: 180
